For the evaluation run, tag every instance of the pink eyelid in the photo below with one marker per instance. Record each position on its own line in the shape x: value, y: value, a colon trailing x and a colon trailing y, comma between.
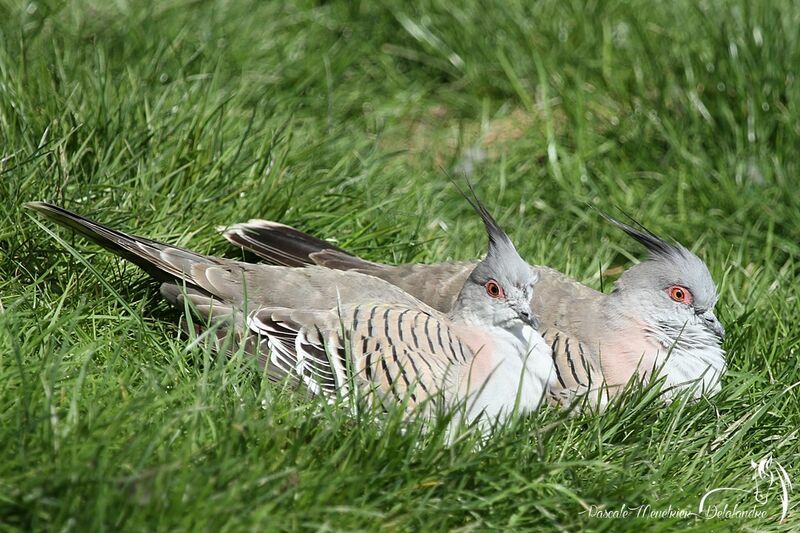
x: 687, y: 294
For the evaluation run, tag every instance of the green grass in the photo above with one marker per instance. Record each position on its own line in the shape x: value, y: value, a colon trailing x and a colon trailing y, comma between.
x: 343, y: 119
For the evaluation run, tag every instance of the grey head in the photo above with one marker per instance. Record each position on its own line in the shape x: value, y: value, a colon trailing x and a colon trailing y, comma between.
x: 499, y: 289
x: 672, y: 290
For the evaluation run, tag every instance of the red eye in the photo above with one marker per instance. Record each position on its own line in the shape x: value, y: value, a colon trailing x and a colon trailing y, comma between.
x: 680, y: 294
x: 494, y: 289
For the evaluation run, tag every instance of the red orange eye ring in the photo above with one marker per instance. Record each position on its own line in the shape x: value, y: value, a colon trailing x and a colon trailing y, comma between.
x: 494, y: 290
x: 680, y: 294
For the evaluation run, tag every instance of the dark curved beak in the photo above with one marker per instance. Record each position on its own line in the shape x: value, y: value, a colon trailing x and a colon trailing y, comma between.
x: 713, y: 324
x: 529, y: 318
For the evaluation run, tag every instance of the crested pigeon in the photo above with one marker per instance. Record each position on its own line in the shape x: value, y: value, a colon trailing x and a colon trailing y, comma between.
x: 659, y: 317
x: 340, y: 333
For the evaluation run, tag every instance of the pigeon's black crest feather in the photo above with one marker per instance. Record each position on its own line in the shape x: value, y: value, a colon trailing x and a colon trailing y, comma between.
x: 493, y: 229
x: 654, y: 244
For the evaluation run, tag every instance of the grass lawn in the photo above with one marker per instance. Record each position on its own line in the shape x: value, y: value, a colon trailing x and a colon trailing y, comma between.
x: 344, y: 119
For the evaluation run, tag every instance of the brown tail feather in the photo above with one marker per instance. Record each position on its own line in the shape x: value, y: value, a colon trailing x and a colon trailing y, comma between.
x: 279, y: 244
x: 163, y: 262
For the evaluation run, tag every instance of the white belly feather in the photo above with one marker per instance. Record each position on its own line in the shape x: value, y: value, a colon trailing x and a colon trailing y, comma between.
x: 511, y: 374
